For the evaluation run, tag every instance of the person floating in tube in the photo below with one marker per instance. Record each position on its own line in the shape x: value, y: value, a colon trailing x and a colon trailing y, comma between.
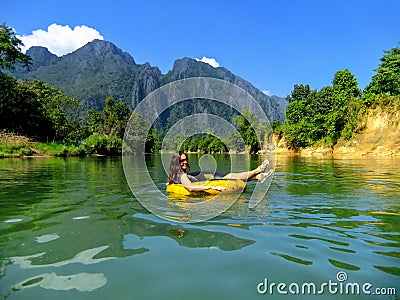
x: 178, y: 173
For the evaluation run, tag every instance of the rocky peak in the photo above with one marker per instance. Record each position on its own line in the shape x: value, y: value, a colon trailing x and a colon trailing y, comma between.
x: 182, y: 64
x: 41, y: 57
x: 40, y: 53
x: 99, y: 51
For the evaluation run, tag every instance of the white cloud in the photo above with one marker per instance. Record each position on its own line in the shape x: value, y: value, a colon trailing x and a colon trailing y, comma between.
x: 211, y: 61
x: 266, y: 92
x: 59, y: 39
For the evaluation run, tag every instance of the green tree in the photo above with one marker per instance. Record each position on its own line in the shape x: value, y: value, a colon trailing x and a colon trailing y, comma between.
x: 248, y: 133
x: 37, y: 110
x: 345, y: 83
x: 55, y: 106
x: 93, y: 122
x: 312, y: 116
x: 297, y: 126
x: 296, y: 111
x: 297, y: 134
x: 345, y: 90
x: 235, y: 142
x: 300, y: 92
x: 29, y: 108
x: 112, y: 120
x: 153, y: 142
x: 217, y: 146
x: 135, y: 136
x: 21, y: 111
x: 10, y: 51
x: 108, y: 127
x: 387, y: 77
x: 115, y: 117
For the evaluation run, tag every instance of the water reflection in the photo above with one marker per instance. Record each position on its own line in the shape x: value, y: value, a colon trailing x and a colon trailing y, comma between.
x: 85, y: 257
x: 83, y: 282
x: 187, y: 236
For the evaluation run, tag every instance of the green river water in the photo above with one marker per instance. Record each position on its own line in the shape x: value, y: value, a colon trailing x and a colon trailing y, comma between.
x: 72, y: 229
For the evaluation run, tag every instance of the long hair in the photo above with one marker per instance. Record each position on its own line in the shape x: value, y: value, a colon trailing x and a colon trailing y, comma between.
x: 175, y: 171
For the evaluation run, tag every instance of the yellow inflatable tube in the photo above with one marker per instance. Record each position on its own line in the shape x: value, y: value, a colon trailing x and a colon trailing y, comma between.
x: 230, y: 185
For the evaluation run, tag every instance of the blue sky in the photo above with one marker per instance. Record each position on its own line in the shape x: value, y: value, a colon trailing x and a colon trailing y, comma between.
x: 272, y: 44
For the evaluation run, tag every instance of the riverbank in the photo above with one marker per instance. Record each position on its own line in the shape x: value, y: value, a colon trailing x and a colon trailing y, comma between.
x: 13, y: 145
x: 377, y: 134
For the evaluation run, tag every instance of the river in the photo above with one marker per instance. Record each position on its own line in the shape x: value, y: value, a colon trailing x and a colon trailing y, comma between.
x: 72, y: 229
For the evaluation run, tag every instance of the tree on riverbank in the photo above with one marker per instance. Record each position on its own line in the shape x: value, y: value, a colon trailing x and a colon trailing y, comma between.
x: 387, y: 77
x: 10, y: 51
x: 31, y: 108
x: 36, y: 109
x: 324, y: 116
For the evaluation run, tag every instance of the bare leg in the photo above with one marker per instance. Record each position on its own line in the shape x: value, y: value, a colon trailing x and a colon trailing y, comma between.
x: 249, y: 175
x: 243, y: 175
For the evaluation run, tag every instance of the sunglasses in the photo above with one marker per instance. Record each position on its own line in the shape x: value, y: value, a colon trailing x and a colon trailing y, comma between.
x: 182, y: 160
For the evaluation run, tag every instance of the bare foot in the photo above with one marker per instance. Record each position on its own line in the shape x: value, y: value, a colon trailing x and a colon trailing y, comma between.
x: 263, y: 176
x: 264, y: 165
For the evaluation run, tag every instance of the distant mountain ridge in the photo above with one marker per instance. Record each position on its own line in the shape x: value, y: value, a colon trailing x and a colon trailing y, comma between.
x: 100, y: 69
